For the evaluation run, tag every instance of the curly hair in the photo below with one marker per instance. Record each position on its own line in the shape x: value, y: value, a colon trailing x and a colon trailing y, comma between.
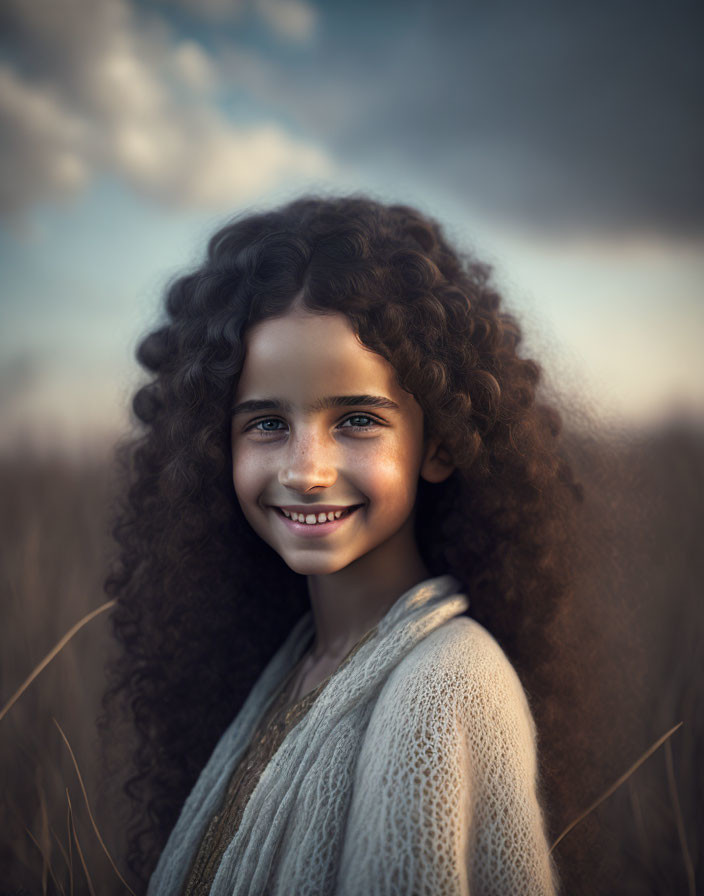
x: 202, y: 601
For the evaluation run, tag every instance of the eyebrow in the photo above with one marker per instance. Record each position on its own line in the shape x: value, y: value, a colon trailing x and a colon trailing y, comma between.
x: 322, y: 404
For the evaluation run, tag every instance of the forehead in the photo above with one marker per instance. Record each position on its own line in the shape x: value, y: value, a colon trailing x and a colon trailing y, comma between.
x: 302, y: 356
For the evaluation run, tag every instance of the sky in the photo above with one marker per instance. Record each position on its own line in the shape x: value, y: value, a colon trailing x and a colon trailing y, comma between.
x: 562, y: 143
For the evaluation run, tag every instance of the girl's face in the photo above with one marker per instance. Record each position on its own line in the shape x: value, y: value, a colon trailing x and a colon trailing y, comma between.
x: 331, y: 429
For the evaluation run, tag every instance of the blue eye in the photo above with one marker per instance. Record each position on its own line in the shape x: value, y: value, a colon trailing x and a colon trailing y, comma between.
x: 361, y: 417
x: 268, y: 420
x: 371, y: 422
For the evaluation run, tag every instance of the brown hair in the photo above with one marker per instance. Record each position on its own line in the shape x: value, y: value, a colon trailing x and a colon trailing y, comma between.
x: 203, y: 602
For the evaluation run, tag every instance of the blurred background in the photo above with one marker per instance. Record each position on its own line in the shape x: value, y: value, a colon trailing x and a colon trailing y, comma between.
x: 562, y: 143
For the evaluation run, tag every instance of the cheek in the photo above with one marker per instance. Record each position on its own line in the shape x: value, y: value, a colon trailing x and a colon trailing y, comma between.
x: 246, y: 474
x: 391, y: 479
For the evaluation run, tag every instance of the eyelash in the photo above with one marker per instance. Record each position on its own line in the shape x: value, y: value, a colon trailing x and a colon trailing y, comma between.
x: 374, y: 422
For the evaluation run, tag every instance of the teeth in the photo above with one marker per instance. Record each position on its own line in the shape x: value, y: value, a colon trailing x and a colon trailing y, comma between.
x: 311, y: 519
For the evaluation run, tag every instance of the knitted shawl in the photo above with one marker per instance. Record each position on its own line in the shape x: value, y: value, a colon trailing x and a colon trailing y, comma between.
x: 414, y: 772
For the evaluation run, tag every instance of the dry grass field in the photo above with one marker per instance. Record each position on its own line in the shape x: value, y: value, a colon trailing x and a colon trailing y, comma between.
x: 646, y: 515
x: 55, y: 545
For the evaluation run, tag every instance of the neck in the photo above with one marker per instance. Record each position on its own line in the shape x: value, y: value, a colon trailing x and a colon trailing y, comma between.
x: 346, y: 604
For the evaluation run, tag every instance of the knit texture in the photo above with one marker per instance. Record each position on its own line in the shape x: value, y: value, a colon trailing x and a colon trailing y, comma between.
x: 414, y: 772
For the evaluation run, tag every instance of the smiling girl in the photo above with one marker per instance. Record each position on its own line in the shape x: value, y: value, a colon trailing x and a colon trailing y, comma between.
x: 344, y: 539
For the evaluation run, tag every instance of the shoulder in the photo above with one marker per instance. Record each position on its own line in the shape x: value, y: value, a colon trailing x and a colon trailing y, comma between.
x: 458, y: 640
x: 460, y: 652
x: 460, y: 672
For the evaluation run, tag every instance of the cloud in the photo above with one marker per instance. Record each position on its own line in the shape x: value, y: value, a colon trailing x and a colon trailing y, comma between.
x: 193, y: 66
x: 291, y: 20
x: 212, y: 10
x: 546, y: 116
x: 41, y: 150
x: 549, y: 117
x: 92, y: 89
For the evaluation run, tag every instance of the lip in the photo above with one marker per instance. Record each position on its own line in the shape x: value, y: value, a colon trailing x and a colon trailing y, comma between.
x: 317, y: 530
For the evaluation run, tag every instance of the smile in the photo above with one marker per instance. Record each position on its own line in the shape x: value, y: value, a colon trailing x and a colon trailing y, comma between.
x: 313, y: 519
x: 320, y: 523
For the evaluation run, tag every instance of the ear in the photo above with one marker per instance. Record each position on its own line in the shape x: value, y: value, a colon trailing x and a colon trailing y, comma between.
x: 437, y: 463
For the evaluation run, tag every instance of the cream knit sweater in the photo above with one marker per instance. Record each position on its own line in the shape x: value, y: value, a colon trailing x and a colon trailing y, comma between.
x: 414, y: 772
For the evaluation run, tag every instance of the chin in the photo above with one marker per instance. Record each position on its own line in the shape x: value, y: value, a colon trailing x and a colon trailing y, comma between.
x: 317, y: 567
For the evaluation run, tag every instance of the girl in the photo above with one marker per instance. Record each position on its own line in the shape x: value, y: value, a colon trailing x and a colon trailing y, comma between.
x: 345, y: 498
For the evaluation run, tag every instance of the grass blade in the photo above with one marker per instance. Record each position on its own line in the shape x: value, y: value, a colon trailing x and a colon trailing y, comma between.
x: 46, y: 864
x: 70, y: 842
x: 617, y: 784
x: 90, y: 814
x: 680, y: 823
x: 78, y: 848
x: 61, y: 847
x: 52, y: 653
x: 45, y: 839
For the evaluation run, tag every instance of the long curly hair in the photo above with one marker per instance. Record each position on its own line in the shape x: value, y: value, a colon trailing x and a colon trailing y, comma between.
x: 202, y: 601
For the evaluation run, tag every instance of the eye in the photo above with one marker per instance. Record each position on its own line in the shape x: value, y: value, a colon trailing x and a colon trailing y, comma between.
x: 255, y: 427
x: 371, y: 420
x: 258, y: 423
x: 262, y: 426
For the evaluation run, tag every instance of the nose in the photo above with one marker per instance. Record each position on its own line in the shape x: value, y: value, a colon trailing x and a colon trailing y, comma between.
x: 309, y: 463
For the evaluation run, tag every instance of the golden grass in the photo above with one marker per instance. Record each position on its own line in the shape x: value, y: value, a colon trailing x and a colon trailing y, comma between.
x: 45, y: 846
x: 90, y: 813
x: 54, y: 534
x: 686, y: 858
x: 46, y: 864
x: 54, y: 652
x: 74, y: 832
x: 614, y: 787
